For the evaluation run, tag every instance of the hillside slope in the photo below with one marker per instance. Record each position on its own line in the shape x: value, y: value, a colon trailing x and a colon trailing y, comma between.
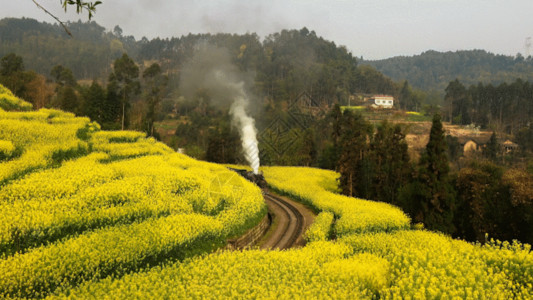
x: 433, y: 70
x: 95, y: 214
x: 78, y: 203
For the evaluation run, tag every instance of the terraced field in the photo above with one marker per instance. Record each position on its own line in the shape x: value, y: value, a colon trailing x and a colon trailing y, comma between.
x: 114, y: 215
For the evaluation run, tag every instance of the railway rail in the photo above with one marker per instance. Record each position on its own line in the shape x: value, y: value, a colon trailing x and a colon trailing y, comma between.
x: 291, y: 219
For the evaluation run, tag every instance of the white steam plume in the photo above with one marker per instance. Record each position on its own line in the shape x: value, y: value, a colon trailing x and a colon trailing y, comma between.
x: 248, y: 132
x: 211, y: 69
x: 242, y: 120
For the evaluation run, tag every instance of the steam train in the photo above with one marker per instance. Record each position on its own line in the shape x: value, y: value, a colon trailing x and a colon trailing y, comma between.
x: 258, y: 179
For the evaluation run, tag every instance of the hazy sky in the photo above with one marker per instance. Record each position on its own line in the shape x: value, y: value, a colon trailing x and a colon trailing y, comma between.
x: 373, y: 29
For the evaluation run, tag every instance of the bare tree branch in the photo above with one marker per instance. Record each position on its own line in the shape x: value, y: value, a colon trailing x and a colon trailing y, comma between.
x: 56, y: 18
x: 80, y: 6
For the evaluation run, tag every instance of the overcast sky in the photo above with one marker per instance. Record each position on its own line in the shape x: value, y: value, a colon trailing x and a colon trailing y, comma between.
x: 374, y: 29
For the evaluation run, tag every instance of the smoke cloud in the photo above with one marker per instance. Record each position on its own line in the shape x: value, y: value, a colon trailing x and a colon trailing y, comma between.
x: 211, y: 70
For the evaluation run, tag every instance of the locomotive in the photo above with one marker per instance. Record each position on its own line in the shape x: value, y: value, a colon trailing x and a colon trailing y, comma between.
x: 258, y: 179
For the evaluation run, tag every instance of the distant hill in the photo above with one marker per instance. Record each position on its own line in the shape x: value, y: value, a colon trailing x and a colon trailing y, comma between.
x: 89, y: 53
x: 433, y: 70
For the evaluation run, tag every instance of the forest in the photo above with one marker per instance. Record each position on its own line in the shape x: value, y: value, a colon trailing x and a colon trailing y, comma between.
x: 299, y: 81
x: 432, y: 70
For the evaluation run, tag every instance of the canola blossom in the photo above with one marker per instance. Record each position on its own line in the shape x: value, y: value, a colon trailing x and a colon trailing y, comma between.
x: 10, y: 102
x: 93, y: 214
x: 40, y: 140
x: 429, y: 265
x: 320, y: 230
x: 379, y: 263
x: 78, y: 203
x: 316, y: 188
x: 318, y: 269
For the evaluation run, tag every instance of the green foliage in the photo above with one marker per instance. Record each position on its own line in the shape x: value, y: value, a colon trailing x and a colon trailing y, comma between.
x: 223, y: 144
x: 430, y: 197
x: 433, y: 70
x: 125, y: 79
x: 63, y: 76
x: 372, y: 165
x: 492, y: 148
x: 81, y: 5
x: 505, y: 108
x: 155, y: 83
x: 89, y: 55
x: 355, y: 132
x: 8, y: 101
x: 391, y: 166
x: 11, y: 64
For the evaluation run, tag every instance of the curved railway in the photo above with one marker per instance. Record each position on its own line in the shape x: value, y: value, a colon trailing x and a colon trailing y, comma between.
x: 291, y: 220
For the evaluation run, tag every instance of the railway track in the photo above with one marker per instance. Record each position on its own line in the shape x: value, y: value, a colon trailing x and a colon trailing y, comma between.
x: 290, y: 222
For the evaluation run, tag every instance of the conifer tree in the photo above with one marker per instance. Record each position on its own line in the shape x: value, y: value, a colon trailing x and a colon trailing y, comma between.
x: 492, y: 148
x: 430, y: 197
x: 355, y: 132
x: 437, y: 207
x: 391, y: 162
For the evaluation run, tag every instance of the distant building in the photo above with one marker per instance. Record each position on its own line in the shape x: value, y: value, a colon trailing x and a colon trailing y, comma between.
x: 381, y: 101
x: 470, y: 147
x: 509, y: 146
x: 472, y: 144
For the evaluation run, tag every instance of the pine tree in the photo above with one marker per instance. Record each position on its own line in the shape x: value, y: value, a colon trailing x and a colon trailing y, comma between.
x: 94, y: 99
x: 391, y: 162
x: 437, y: 207
x: 353, y: 145
x: 492, y: 148
x: 430, y: 197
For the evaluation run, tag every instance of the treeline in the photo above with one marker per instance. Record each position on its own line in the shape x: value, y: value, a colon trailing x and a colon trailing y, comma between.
x: 482, y: 197
x: 42, y: 46
x: 507, y: 107
x: 281, y: 68
x: 110, y: 104
x: 285, y: 63
x: 433, y: 70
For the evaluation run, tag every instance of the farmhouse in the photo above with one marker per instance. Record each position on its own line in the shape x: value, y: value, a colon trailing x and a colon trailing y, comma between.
x: 381, y: 101
x: 509, y: 146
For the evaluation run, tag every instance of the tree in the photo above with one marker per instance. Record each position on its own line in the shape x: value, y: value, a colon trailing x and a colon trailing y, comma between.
x: 94, y: 102
x: 492, y: 148
x: 305, y: 153
x: 11, y: 64
x: 331, y: 152
x: 66, y: 97
x: 155, y: 83
x: 125, y: 76
x: 111, y: 114
x: 495, y: 201
x: 455, y: 94
x: 478, y: 187
x: 222, y: 144
x: 63, y: 76
x: 408, y: 100
x: 430, y: 197
x: 353, y: 145
x: 12, y: 74
x: 80, y: 5
x: 27, y: 85
x: 390, y: 161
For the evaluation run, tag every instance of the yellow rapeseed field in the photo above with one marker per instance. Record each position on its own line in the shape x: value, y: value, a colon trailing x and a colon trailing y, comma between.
x: 91, y: 214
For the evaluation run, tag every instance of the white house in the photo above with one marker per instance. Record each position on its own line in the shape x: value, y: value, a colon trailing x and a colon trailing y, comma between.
x: 381, y: 101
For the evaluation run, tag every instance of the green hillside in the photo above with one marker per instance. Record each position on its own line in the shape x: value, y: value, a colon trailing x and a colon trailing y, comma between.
x: 433, y: 70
